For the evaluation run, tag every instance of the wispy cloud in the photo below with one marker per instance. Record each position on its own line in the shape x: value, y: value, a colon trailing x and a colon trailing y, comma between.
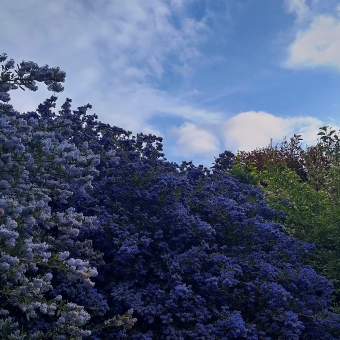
x: 316, y: 45
x: 120, y: 48
x: 298, y: 7
x: 193, y: 140
x: 136, y: 61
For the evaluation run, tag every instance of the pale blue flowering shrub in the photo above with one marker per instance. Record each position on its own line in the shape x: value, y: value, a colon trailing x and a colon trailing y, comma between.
x: 40, y: 248
x: 98, y: 229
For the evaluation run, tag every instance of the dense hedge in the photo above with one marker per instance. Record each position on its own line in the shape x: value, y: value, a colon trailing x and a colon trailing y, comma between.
x: 306, y: 186
x: 96, y: 223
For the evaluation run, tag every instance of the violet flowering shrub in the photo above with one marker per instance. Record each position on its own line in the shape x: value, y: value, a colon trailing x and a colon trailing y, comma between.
x: 190, y: 253
x: 305, y: 185
x: 40, y: 248
x: 193, y: 253
x: 26, y: 75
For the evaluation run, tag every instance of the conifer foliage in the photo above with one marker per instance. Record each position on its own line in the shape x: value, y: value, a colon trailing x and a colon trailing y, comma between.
x: 102, y: 238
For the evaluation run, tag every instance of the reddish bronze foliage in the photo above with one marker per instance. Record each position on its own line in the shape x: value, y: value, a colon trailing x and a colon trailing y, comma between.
x: 290, y: 155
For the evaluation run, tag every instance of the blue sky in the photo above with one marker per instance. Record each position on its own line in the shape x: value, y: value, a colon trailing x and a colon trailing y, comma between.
x: 206, y: 75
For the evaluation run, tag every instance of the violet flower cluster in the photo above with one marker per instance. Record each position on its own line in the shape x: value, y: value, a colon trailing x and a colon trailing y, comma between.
x: 40, y: 248
x: 102, y: 238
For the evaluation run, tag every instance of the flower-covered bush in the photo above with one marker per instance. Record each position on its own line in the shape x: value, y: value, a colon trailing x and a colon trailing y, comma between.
x: 101, y: 225
x: 41, y: 250
x: 311, y: 206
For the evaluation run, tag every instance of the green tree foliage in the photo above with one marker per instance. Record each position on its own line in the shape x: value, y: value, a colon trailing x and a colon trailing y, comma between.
x: 305, y: 185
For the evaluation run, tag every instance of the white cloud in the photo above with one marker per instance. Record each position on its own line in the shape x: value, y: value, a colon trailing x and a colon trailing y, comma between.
x: 156, y: 67
x: 118, y: 48
x: 140, y: 30
x: 87, y: 77
x: 198, y: 115
x: 315, y: 39
x: 298, y: 7
x: 319, y: 45
x: 250, y: 130
x: 179, y: 4
x: 185, y: 71
x: 193, y: 140
x: 194, y: 92
x: 246, y: 131
x: 135, y: 73
x: 114, y: 53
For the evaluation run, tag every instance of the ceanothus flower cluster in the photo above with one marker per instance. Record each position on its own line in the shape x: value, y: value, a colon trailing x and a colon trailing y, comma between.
x: 97, y: 223
x: 40, y: 249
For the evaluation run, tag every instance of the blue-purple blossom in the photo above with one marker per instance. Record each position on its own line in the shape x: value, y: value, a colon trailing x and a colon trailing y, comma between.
x: 102, y: 238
